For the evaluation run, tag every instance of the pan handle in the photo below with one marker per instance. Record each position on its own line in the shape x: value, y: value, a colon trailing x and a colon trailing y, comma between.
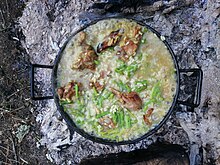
x: 33, y: 66
x: 199, y: 75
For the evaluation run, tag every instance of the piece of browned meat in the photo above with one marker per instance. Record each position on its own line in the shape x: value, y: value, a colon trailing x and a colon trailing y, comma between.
x: 111, y: 40
x: 147, y: 120
x: 87, y: 57
x: 130, y: 100
x: 130, y: 45
x: 137, y: 34
x: 147, y: 115
x: 96, y: 85
x: 68, y: 92
x: 129, y: 49
x: 106, y: 122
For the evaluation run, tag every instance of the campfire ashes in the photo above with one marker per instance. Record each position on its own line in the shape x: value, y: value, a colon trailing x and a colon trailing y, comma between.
x: 192, y: 28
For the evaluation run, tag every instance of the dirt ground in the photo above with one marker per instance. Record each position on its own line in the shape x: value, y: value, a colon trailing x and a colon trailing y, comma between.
x: 19, y: 132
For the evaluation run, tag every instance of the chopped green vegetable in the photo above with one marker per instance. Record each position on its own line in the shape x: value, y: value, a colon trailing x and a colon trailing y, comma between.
x: 121, y: 69
x: 140, y: 56
x: 115, y: 117
x: 132, y: 116
x: 110, y: 133
x: 140, y: 89
x: 97, y: 62
x: 156, y: 93
x: 128, y: 70
x: 121, y: 119
x: 127, y: 121
x: 120, y: 61
x: 111, y: 48
x: 94, y: 125
x: 94, y: 95
x: 143, y: 40
x: 76, y: 91
x: 155, y: 90
x: 106, y: 93
x: 122, y: 86
x: 76, y: 112
x: 143, y: 82
x: 131, y: 69
x: 144, y: 30
x: 146, y: 105
x: 63, y: 102
x: 95, y: 92
x: 128, y: 89
x: 114, y: 134
x: 102, y: 114
x: 80, y: 122
x: 79, y: 104
x: 143, y: 86
x: 100, y: 100
x: 111, y: 96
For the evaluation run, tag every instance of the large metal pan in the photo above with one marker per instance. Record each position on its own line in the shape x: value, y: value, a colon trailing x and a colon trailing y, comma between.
x: 72, y: 126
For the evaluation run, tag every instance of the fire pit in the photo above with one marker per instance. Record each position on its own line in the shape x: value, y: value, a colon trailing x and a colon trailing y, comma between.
x: 196, y: 73
x: 183, y: 29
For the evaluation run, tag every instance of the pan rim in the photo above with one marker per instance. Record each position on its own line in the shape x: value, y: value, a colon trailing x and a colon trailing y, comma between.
x: 72, y: 126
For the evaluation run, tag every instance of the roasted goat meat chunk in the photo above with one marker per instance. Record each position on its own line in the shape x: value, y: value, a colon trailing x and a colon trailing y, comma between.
x: 130, y: 100
x: 147, y: 115
x: 129, y: 49
x: 130, y: 46
x: 111, y: 40
x: 69, y: 91
x: 87, y: 57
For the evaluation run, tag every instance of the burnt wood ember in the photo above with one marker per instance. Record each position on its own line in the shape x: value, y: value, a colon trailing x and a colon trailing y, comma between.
x: 192, y: 29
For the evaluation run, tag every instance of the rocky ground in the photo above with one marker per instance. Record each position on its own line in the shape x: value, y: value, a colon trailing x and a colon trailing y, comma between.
x: 193, y: 31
